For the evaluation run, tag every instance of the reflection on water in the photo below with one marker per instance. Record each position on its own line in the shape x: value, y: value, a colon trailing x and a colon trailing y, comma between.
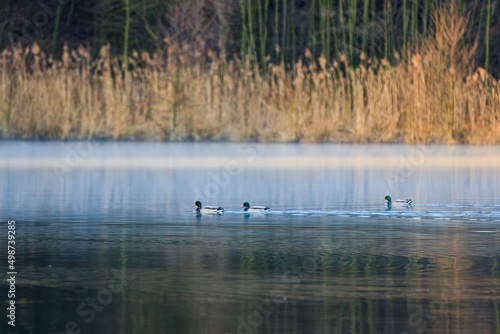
x: 107, y: 241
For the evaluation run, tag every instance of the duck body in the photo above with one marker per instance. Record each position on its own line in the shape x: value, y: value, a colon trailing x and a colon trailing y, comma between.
x: 403, y: 203
x: 262, y: 209
x: 208, y: 209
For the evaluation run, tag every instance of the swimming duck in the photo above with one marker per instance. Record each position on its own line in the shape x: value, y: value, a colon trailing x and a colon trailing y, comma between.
x: 208, y: 210
x: 398, y: 203
x: 255, y: 209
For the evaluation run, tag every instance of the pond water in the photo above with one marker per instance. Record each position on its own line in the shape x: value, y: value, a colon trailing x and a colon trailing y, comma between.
x: 107, y: 240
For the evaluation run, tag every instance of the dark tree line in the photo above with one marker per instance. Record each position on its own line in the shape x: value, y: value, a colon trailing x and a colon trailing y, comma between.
x: 279, y: 30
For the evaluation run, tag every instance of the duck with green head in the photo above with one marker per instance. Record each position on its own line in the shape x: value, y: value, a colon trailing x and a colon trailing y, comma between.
x: 208, y: 210
x: 255, y: 209
x: 406, y: 203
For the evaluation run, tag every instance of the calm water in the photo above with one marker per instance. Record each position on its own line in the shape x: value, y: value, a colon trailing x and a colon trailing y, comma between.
x: 106, y: 240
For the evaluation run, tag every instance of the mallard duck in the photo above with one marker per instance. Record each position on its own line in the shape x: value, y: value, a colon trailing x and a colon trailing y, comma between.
x: 399, y: 202
x: 255, y: 209
x: 208, y: 210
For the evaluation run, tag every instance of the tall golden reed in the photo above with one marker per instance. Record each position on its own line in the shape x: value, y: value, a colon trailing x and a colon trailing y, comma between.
x: 431, y: 96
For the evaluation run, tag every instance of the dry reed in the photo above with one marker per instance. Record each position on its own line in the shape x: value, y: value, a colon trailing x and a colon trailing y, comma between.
x: 432, y: 96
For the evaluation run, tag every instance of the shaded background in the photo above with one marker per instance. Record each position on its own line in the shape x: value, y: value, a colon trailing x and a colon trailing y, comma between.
x: 279, y: 29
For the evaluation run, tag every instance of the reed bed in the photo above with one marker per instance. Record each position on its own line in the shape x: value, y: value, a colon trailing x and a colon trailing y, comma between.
x: 432, y: 95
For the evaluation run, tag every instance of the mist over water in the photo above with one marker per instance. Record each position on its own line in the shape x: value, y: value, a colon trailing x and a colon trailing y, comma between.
x: 113, y: 223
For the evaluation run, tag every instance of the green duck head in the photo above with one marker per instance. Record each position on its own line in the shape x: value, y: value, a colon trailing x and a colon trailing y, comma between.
x: 197, y: 204
x: 246, y: 206
x: 388, y: 198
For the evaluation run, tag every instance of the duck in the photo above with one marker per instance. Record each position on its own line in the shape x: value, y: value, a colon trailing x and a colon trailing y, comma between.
x: 255, y: 209
x: 208, y: 210
x: 398, y: 202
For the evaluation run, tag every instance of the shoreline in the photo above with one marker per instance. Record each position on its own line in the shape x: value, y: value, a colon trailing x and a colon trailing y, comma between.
x: 232, y: 141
